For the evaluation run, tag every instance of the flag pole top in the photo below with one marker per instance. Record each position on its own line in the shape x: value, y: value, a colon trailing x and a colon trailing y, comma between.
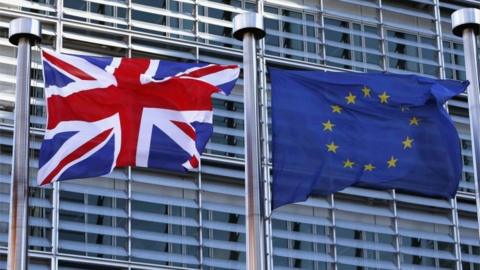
x: 24, y: 28
x: 465, y: 18
x: 248, y: 23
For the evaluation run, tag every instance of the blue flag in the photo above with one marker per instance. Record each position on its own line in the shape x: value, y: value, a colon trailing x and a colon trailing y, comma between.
x: 332, y: 130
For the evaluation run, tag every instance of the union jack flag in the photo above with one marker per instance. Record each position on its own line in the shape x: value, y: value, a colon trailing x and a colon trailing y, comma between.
x: 107, y: 112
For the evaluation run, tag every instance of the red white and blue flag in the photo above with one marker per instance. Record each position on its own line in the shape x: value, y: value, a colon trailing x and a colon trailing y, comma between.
x: 107, y: 112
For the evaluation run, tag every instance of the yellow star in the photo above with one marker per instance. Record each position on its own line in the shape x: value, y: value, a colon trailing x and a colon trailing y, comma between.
x: 366, y: 91
x: 414, y: 121
x: 328, y: 126
x: 350, y: 98
x: 392, y: 162
x: 384, y: 97
x: 369, y: 167
x: 332, y: 147
x: 336, y: 109
x: 348, y: 164
x: 407, y: 143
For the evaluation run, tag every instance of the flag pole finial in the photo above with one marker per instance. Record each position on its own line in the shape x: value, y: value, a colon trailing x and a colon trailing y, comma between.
x: 466, y: 18
x: 248, y: 22
x: 24, y: 33
x: 24, y: 27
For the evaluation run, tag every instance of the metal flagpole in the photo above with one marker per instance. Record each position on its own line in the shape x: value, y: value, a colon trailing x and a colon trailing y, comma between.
x: 23, y: 32
x: 249, y: 28
x: 466, y: 24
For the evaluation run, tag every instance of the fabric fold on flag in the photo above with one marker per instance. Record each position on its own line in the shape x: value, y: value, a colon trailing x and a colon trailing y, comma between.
x: 107, y: 112
x: 332, y: 130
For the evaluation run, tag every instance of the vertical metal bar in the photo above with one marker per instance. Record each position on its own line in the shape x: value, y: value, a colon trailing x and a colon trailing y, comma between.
x: 129, y: 213
x: 59, y: 24
x: 56, y: 185
x: 334, y: 232
x: 200, y: 215
x: 23, y: 32
x: 129, y: 14
x: 129, y: 168
x: 196, y: 21
x: 442, y: 73
x: 264, y: 135
x: 17, y: 237
x: 249, y: 27
x: 471, y: 68
x: 466, y: 23
x: 323, y: 36
x: 382, y: 36
x: 253, y: 185
x: 55, y: 217
x: 438, y: 30
x: 456, y: 234
x: 395, y: 230
x: 199, y: 193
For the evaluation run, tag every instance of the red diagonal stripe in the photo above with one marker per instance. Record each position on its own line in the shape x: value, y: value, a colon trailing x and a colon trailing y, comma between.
x: 209, y: 70
x: 67, y: 67
x: 186, y: 128
x: 194, y: 162
x: 82, y: 150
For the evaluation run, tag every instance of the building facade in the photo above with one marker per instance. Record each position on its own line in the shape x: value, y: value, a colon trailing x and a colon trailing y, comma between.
x: 144, y: 219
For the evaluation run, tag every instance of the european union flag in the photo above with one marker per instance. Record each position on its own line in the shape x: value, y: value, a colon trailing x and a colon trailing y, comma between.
x: 332, y: 130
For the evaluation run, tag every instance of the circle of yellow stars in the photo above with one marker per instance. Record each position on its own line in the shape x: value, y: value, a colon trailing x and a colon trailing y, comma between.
x: 351, y: 99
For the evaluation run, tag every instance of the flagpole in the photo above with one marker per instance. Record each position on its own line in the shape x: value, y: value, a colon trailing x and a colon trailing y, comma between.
x: 249, y: 28
x: 23, y: 32
x: 466, y: 24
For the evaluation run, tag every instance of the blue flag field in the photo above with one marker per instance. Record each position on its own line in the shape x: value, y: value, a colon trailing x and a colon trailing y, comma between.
x: 332, y: 130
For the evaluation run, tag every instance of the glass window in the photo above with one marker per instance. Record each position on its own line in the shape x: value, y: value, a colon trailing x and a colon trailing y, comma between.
x: 352, y: 45
x: 292, y: 34
x: 454, y: 60
x: 164, y: 222
x: 98, y: 13
x: 412, y: 53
